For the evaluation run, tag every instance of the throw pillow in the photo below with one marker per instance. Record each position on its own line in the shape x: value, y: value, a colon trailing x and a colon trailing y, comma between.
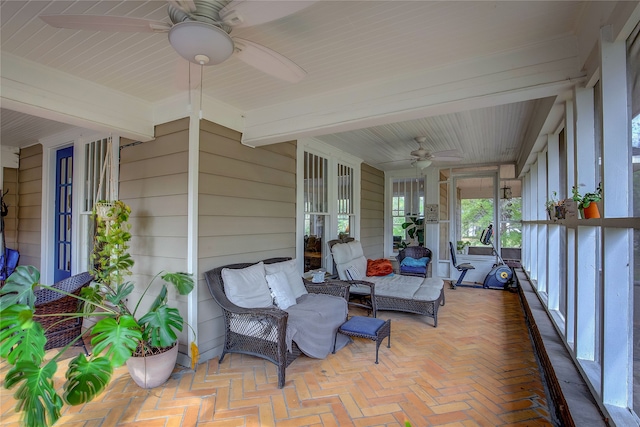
x: 281, y: 290
x: 353, y: 273
x: 413, y: 262
x: 290, y: 269
x: 247, y: 287
x: 379, y: 267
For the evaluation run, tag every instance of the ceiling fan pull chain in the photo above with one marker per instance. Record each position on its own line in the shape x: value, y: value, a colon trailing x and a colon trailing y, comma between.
x: 189, y: 87
x: 201, y: 73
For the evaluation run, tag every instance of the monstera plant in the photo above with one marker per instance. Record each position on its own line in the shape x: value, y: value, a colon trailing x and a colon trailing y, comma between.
x: 118, y: 334
x: 414, y: 226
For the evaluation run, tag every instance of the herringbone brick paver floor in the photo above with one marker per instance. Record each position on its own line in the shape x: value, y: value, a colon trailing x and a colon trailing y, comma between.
x: 477, y: 368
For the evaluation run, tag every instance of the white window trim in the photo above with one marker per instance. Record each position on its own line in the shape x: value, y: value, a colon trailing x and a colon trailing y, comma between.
x: 333, y: 155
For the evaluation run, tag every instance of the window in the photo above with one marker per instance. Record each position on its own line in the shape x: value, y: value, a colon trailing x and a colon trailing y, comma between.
x: 328, y: 190
x: 407, y: 212
x: 346, y: 214
x: 475, y: 207
x: 316, y: 208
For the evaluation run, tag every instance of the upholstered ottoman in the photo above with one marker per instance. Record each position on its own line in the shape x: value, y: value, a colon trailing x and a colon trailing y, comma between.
x: 368, y: 327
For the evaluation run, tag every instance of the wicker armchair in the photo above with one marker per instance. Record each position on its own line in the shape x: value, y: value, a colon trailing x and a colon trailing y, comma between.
x: 416, y: 252
x: 261, y: 332
x: 61, y: 330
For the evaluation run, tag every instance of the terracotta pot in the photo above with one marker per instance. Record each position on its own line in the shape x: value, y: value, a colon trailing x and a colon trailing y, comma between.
x: 591, y: 211
x: 152, y: 371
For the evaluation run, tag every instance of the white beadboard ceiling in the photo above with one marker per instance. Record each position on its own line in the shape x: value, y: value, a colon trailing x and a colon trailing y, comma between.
x: 341, y: 45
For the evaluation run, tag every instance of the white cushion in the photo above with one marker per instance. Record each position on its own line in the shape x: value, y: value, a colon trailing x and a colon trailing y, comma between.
x: 247, y: 287
x: 353, y: 273
x: 281, y: 290
x: 290, y: 269
x: 346, y: 255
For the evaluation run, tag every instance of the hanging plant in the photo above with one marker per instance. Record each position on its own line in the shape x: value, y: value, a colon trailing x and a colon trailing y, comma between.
x: 111, y: 260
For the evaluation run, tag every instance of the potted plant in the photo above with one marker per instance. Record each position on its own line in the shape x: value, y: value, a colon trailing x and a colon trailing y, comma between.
x: 588, y: 203
x: 120, y: 333
x: 551, y: 206
x: 461, y: 246
x: 415, y: 229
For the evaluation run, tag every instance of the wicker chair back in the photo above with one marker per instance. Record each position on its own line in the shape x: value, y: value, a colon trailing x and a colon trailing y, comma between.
x: 61, y: 330
x: 416, y: 252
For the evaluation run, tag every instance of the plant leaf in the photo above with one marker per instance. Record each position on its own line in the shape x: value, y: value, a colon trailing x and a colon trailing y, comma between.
x: 159, y: 326
x: 21, y: 338
x: 123, y: 290
x: 18, y: 288
x: 86, y: 379
x: 183, y: 282
x: 160, y: 300
x: 36, y: 395
x: 119, y: 337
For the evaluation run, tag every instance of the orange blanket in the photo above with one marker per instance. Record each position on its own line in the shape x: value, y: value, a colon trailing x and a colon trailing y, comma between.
x: 379, y: 267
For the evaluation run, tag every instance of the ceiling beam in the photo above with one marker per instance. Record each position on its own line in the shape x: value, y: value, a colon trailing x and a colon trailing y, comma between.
x: 31, y: 88
x: 538, y: 71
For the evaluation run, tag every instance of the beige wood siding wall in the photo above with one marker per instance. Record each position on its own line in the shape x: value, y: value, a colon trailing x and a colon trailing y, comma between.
x: 153, y: 182
x: 30, y: 205
x: 247, y: 208
x: 372, y: 212
x: 10, y: 183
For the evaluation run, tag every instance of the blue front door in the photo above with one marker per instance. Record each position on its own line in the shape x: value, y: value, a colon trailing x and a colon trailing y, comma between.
x: 64, y: 175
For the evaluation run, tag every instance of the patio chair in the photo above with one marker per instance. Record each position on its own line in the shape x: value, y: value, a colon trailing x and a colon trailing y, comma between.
x: 61, y: 330
x: 414, y: 268
x: 462, y: 268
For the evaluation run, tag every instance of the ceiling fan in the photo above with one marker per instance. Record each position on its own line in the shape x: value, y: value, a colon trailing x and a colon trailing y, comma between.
x: 422, y: 157
x: 199, y: 31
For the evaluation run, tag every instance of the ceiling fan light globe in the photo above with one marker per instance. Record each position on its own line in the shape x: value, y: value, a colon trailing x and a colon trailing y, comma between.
x: 193, y: 39
x: 423, y: 163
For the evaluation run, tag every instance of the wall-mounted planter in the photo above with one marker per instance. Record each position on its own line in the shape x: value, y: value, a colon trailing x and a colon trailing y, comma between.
x: 591, y: 211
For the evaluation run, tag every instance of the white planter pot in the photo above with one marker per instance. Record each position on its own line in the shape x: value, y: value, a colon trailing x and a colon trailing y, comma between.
x: 152, y: 371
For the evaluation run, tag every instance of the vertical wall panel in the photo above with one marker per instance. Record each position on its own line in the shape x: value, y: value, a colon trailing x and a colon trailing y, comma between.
x: 30, y: 205
x: 372, y: 212
x: 10, y: 183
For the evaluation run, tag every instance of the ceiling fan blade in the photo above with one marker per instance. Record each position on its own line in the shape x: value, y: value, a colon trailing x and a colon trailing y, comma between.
x: 268, y: 61
x: 106, y: 23
x: 241, y: 13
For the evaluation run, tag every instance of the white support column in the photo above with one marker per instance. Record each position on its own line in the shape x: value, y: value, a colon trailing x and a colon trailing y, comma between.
x: 553, y: 230
x: 192, y: 225
x: 585, y: 239
x: 617, y: 352
x: 570, y: 279
x: 569, y: 146
x: 533, y: 212
x: 542, y: 229
x: 584, y: 125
